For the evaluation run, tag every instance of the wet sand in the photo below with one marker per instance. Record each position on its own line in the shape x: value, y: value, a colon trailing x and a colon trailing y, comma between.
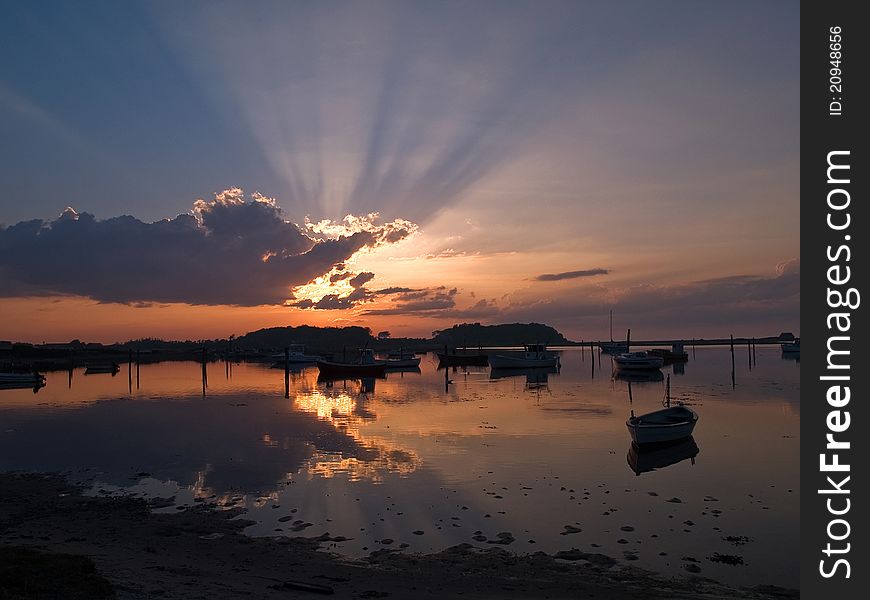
x: 202, y: 553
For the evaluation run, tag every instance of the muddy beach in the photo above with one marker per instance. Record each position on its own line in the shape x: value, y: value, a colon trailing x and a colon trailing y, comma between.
x: 202, y: 553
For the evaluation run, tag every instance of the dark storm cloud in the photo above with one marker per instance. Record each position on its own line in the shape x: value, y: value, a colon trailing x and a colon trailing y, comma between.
x: 227, y: 251
x: 571, y: 275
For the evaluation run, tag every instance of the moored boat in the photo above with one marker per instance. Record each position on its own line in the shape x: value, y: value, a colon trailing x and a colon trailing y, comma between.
x: 677, y: 353
x: 534, y: 355
x: 665, y: 425
x: 641, y: 361
x: 366, y: 365
x: 403, y: 363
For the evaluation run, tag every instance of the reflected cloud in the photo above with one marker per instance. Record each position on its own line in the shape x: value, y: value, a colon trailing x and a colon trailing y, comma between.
x: 346, y: 410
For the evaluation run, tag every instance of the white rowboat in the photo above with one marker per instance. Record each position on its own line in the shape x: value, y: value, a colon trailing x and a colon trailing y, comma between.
x: 665, y: 425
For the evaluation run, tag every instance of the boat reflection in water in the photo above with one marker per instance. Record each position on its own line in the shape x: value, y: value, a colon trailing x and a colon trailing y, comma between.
x: 35, y: 386
x: 649, y: 457
x: 535, y: 377
x: 639, y: 376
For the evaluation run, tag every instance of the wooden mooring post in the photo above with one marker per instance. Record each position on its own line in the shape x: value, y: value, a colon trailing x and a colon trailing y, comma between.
x: 286, y: 371
x: 733, y: 381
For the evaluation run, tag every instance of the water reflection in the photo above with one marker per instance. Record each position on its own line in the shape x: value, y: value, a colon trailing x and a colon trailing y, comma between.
x: 639, y: 376
x: 536, y: 378
x: 34, y: 387
x: 346, y: 409
x: 646, y: 458
x: 394, y: 455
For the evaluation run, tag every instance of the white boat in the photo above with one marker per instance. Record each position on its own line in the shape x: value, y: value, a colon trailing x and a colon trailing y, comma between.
x: 22, y: 378
x: 791, y: 347
x: 400, y: 353
x: 665, y: 425
x: 642, y: 361
x: 534, y: 355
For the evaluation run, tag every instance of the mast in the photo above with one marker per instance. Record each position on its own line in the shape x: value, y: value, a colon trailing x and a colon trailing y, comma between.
x: 611, y: 325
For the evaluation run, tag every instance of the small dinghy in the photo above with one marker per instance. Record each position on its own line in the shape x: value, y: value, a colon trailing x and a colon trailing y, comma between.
x: 666, y: 425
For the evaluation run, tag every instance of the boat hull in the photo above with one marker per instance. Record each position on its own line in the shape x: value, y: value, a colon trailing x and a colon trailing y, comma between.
x: 403, y: 363
x: 634, y: 363
x: 666, y: 425
x: 350, y: 369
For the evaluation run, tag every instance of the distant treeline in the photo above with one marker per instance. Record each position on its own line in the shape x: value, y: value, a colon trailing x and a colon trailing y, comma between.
x: 316, y: 339
x: 508, y: 334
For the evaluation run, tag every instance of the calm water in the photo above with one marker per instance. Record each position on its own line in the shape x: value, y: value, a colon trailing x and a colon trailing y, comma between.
x: 538, y: 456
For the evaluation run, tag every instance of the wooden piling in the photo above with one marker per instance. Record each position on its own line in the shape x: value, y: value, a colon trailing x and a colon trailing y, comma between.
x: 130, y: 371
x: 593, y: 359
x: 204, y: 372
x: 733, y: 380
x: 286, y: 371
x: 137, y: 368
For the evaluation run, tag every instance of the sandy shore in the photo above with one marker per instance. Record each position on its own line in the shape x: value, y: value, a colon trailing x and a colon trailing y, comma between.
x: 201, y: 553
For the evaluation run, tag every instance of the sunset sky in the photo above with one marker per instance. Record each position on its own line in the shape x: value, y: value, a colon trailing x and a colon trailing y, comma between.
x: 200, y: 169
